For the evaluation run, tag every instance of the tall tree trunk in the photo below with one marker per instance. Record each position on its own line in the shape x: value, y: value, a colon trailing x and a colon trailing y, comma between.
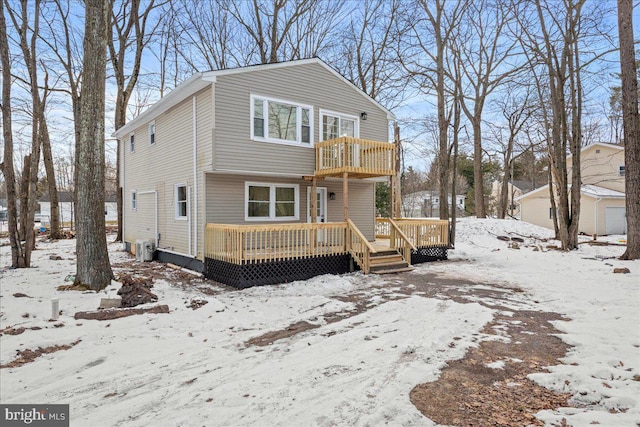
x: 631, y: 124
x: 54, y: 212
x: 24, y: 199
x: 93, y: 267
x: 478, y: 183
x: 17, y: 259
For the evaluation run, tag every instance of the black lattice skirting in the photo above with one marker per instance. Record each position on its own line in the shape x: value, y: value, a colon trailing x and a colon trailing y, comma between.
x: 428, y: 254
x: 274, y: 272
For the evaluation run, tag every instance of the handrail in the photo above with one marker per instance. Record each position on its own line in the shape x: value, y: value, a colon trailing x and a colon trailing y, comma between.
x: 362, y: 157
x: 359, y: 248
x: 402, y: 235
x: 382, y: 228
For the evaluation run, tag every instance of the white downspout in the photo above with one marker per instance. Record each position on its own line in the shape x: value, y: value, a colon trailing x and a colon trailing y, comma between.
x: 596, y: 215
x: 195, y: 181
x: 189, y: 219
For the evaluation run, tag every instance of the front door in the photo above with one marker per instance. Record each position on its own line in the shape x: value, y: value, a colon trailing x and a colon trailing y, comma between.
x: 321, y: 208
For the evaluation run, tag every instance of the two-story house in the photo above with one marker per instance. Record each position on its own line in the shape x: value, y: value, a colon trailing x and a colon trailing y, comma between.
x: 264, y: 174
x: 602, y: 202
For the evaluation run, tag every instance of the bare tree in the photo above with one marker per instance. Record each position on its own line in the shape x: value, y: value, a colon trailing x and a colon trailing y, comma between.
x: 424, y: 58
x: 485, y: 54
x: 27, y: 39
x: 129, y: 24
x: 367, y: 54
x: 631, y: 124
x: 93, y: 268
x: 17, y: 258
x: 516, y: 110
x: 554, y: 41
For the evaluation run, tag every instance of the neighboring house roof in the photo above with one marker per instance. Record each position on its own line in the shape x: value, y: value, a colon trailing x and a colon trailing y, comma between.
x: 429, y: 193
x: 598, y: 144
x: 594, y: 191
x: 201, y: 80
x: 598, y: 192
x: 522, y: 185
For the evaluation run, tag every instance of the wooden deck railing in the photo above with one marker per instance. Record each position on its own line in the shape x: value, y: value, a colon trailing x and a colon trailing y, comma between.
x: 359, y: 157
x: 358, y: 246
x: 400, y: 241
x: 425, y: 232
x: 240, y: 244
x: 383, y: 228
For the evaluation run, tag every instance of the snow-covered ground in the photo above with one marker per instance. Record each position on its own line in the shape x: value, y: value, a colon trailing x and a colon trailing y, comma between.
x: 193, y: 367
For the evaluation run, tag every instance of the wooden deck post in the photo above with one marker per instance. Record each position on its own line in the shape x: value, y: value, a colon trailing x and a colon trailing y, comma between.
x: 396, y: 196
x: 313, y: 200
x: 345, y: 195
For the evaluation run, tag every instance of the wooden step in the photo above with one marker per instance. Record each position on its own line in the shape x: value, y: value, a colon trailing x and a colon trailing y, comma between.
x: 384, y: 253
x: 394, y: 270
x: 388, y: 266
x: 385, y: 259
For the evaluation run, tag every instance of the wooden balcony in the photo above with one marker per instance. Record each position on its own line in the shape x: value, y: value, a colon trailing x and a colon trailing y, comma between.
x: 360, y: 158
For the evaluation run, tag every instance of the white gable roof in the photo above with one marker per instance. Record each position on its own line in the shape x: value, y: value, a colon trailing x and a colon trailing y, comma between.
x: 201, y: 80
x: 588, y: 190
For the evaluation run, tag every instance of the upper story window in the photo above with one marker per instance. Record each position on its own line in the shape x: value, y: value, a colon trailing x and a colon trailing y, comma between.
x: 271, y: 202
x: 152, y: 133
x: 335, y: 125
x: 281, y: 121
x: 621, y: 170
x: 181, y: 201
x: 132, y: 143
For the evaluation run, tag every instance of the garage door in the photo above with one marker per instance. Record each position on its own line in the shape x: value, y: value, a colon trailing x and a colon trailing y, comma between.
x: 616, y: 221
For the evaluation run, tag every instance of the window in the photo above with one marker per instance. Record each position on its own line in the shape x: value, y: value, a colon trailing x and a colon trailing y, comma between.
x: 134, y: 200
x: 152, y: 133
x: 281, y: 121
x: 335, y: 125
x: 271, y: 202
x: 621, y: 170
x: 551, y: 213
x: 181, y: 201
x: 132, y: 143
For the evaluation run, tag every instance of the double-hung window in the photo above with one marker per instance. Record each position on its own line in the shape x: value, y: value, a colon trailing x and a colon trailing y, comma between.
x: 621, y: 170
x: 271, y: 202
x: 181, y: 201
x: 281, y: 121
x: 132, y: 143
x: 134, y: 200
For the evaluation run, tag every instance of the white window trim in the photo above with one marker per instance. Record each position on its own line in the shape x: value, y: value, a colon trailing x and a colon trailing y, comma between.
x: 132, y: 148
x: 272, y: 201
x: 266, y: 138
x: 622, y: 170
x: 153, y: 123
x: 356, y: 131
x: 175, y: 201
x: 133, y: 200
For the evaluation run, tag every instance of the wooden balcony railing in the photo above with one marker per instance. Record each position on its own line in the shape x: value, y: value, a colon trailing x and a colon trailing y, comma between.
x: 361, y: 158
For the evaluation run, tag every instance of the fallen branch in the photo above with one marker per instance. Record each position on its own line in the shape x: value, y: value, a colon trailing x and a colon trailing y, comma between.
x: 117, y: 313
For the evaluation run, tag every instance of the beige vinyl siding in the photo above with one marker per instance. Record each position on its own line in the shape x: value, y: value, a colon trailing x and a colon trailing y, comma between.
x: 161, y: 166
x: 309, y: 84
x: 603, y: 168
x: 226, y: 199
x: 535, y: 210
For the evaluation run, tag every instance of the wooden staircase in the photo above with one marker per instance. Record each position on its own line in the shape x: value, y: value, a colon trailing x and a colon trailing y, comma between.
x: 387, y: 262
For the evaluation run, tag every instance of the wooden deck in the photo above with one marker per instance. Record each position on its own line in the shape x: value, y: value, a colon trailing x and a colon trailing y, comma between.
x: 253, y: 244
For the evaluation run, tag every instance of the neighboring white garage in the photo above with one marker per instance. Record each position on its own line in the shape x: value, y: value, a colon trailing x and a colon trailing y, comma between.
x: 616, y: 220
